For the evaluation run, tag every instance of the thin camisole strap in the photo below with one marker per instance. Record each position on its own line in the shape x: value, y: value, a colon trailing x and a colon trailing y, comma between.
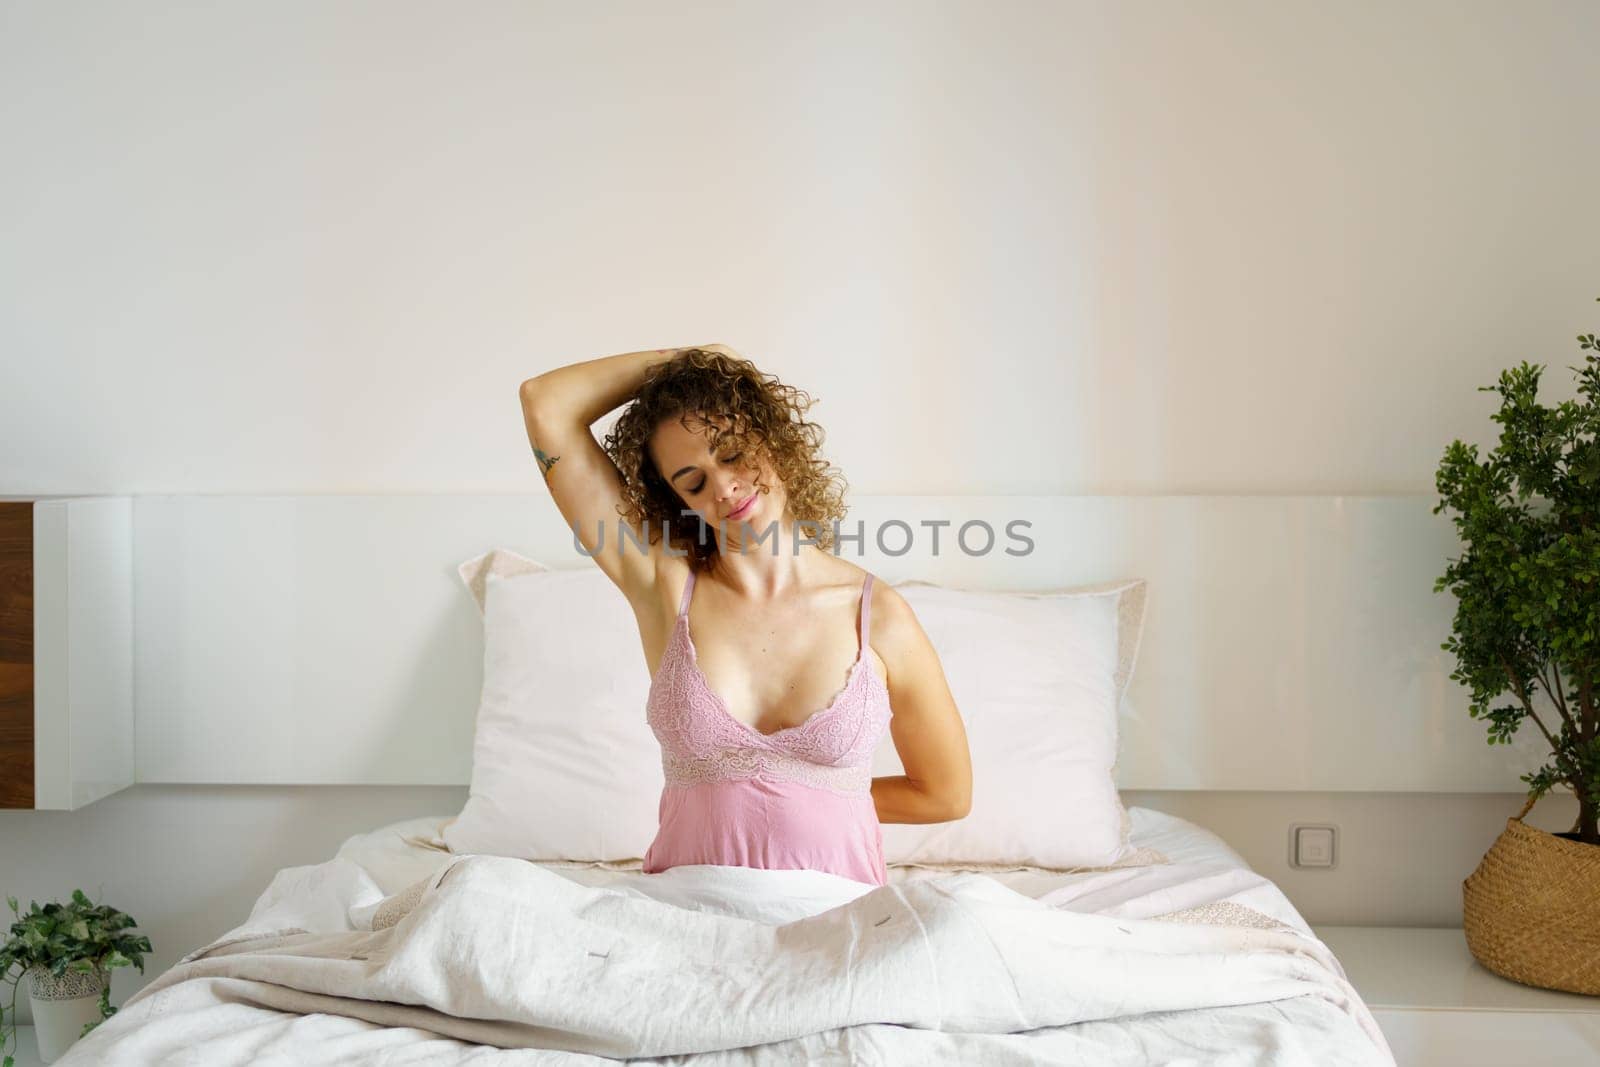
x: 866, y: 612
x: 688, y: 589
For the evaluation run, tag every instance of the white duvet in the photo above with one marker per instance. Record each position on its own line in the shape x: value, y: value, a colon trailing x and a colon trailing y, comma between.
x: 485, y: 959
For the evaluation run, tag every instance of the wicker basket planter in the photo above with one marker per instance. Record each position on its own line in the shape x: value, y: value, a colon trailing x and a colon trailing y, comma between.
x: 1532, y: 909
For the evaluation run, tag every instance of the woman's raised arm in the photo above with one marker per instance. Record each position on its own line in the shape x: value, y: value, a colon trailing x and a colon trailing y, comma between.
x: 558, y: 408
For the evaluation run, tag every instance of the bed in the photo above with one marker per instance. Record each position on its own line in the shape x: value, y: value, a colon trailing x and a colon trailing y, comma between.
x: 1049, y: 924
x: 397, y: 950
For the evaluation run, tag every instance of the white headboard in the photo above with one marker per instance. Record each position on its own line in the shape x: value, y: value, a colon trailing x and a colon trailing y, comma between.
x: 1291, y: 642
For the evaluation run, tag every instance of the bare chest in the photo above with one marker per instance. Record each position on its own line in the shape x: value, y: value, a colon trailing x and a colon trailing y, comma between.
x: 776, y: 673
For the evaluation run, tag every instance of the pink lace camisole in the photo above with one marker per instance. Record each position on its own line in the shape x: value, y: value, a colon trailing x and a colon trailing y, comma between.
x: 797, y: 798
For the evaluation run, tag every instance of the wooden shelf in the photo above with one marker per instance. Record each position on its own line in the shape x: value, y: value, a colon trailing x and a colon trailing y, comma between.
x: 66, y: 651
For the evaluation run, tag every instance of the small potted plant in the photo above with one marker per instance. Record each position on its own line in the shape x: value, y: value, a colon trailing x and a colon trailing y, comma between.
x: 66, y: 951
x: 1527, y: 587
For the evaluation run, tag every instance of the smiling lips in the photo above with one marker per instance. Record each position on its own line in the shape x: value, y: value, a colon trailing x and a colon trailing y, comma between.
x: 742, y: 509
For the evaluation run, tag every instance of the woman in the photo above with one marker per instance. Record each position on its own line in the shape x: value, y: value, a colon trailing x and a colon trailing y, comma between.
x: 748, y: 622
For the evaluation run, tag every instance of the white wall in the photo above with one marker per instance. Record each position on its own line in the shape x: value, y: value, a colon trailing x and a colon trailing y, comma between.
x: 1102, y: 247
x: 1011, y: 247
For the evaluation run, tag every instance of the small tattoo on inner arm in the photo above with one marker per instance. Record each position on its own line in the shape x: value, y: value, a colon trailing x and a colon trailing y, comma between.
x: 545, y: 461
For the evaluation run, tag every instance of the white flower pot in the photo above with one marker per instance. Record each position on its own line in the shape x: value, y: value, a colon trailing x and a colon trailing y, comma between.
x: 63, y: 1006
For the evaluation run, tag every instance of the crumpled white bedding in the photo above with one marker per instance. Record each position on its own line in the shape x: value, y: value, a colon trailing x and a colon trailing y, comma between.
x: 1199, y: 960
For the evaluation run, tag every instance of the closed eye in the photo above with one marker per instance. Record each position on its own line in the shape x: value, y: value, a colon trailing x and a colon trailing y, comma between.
x: 731, y: 459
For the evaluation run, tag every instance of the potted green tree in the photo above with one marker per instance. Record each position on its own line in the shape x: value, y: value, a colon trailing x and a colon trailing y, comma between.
x: 1528, y: 620
x: 66, y: 951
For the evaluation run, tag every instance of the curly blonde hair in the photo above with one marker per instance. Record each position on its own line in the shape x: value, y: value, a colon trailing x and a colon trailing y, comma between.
x: 765, y: 419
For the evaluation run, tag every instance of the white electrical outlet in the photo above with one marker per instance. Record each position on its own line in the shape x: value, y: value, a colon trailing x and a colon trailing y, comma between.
x: 1313, y: 845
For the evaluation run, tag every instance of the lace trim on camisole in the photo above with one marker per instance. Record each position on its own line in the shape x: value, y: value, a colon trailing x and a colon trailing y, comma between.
x: 727, y: 764
x: 701, y: 741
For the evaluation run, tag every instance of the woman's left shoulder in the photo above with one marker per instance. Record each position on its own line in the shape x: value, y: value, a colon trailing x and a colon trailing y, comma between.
x: 890, y: 612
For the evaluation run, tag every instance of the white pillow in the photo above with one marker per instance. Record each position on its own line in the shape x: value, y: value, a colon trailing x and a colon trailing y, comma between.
x: 500, y: 561
x: 564, y: 766
x: 1038, y: 679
